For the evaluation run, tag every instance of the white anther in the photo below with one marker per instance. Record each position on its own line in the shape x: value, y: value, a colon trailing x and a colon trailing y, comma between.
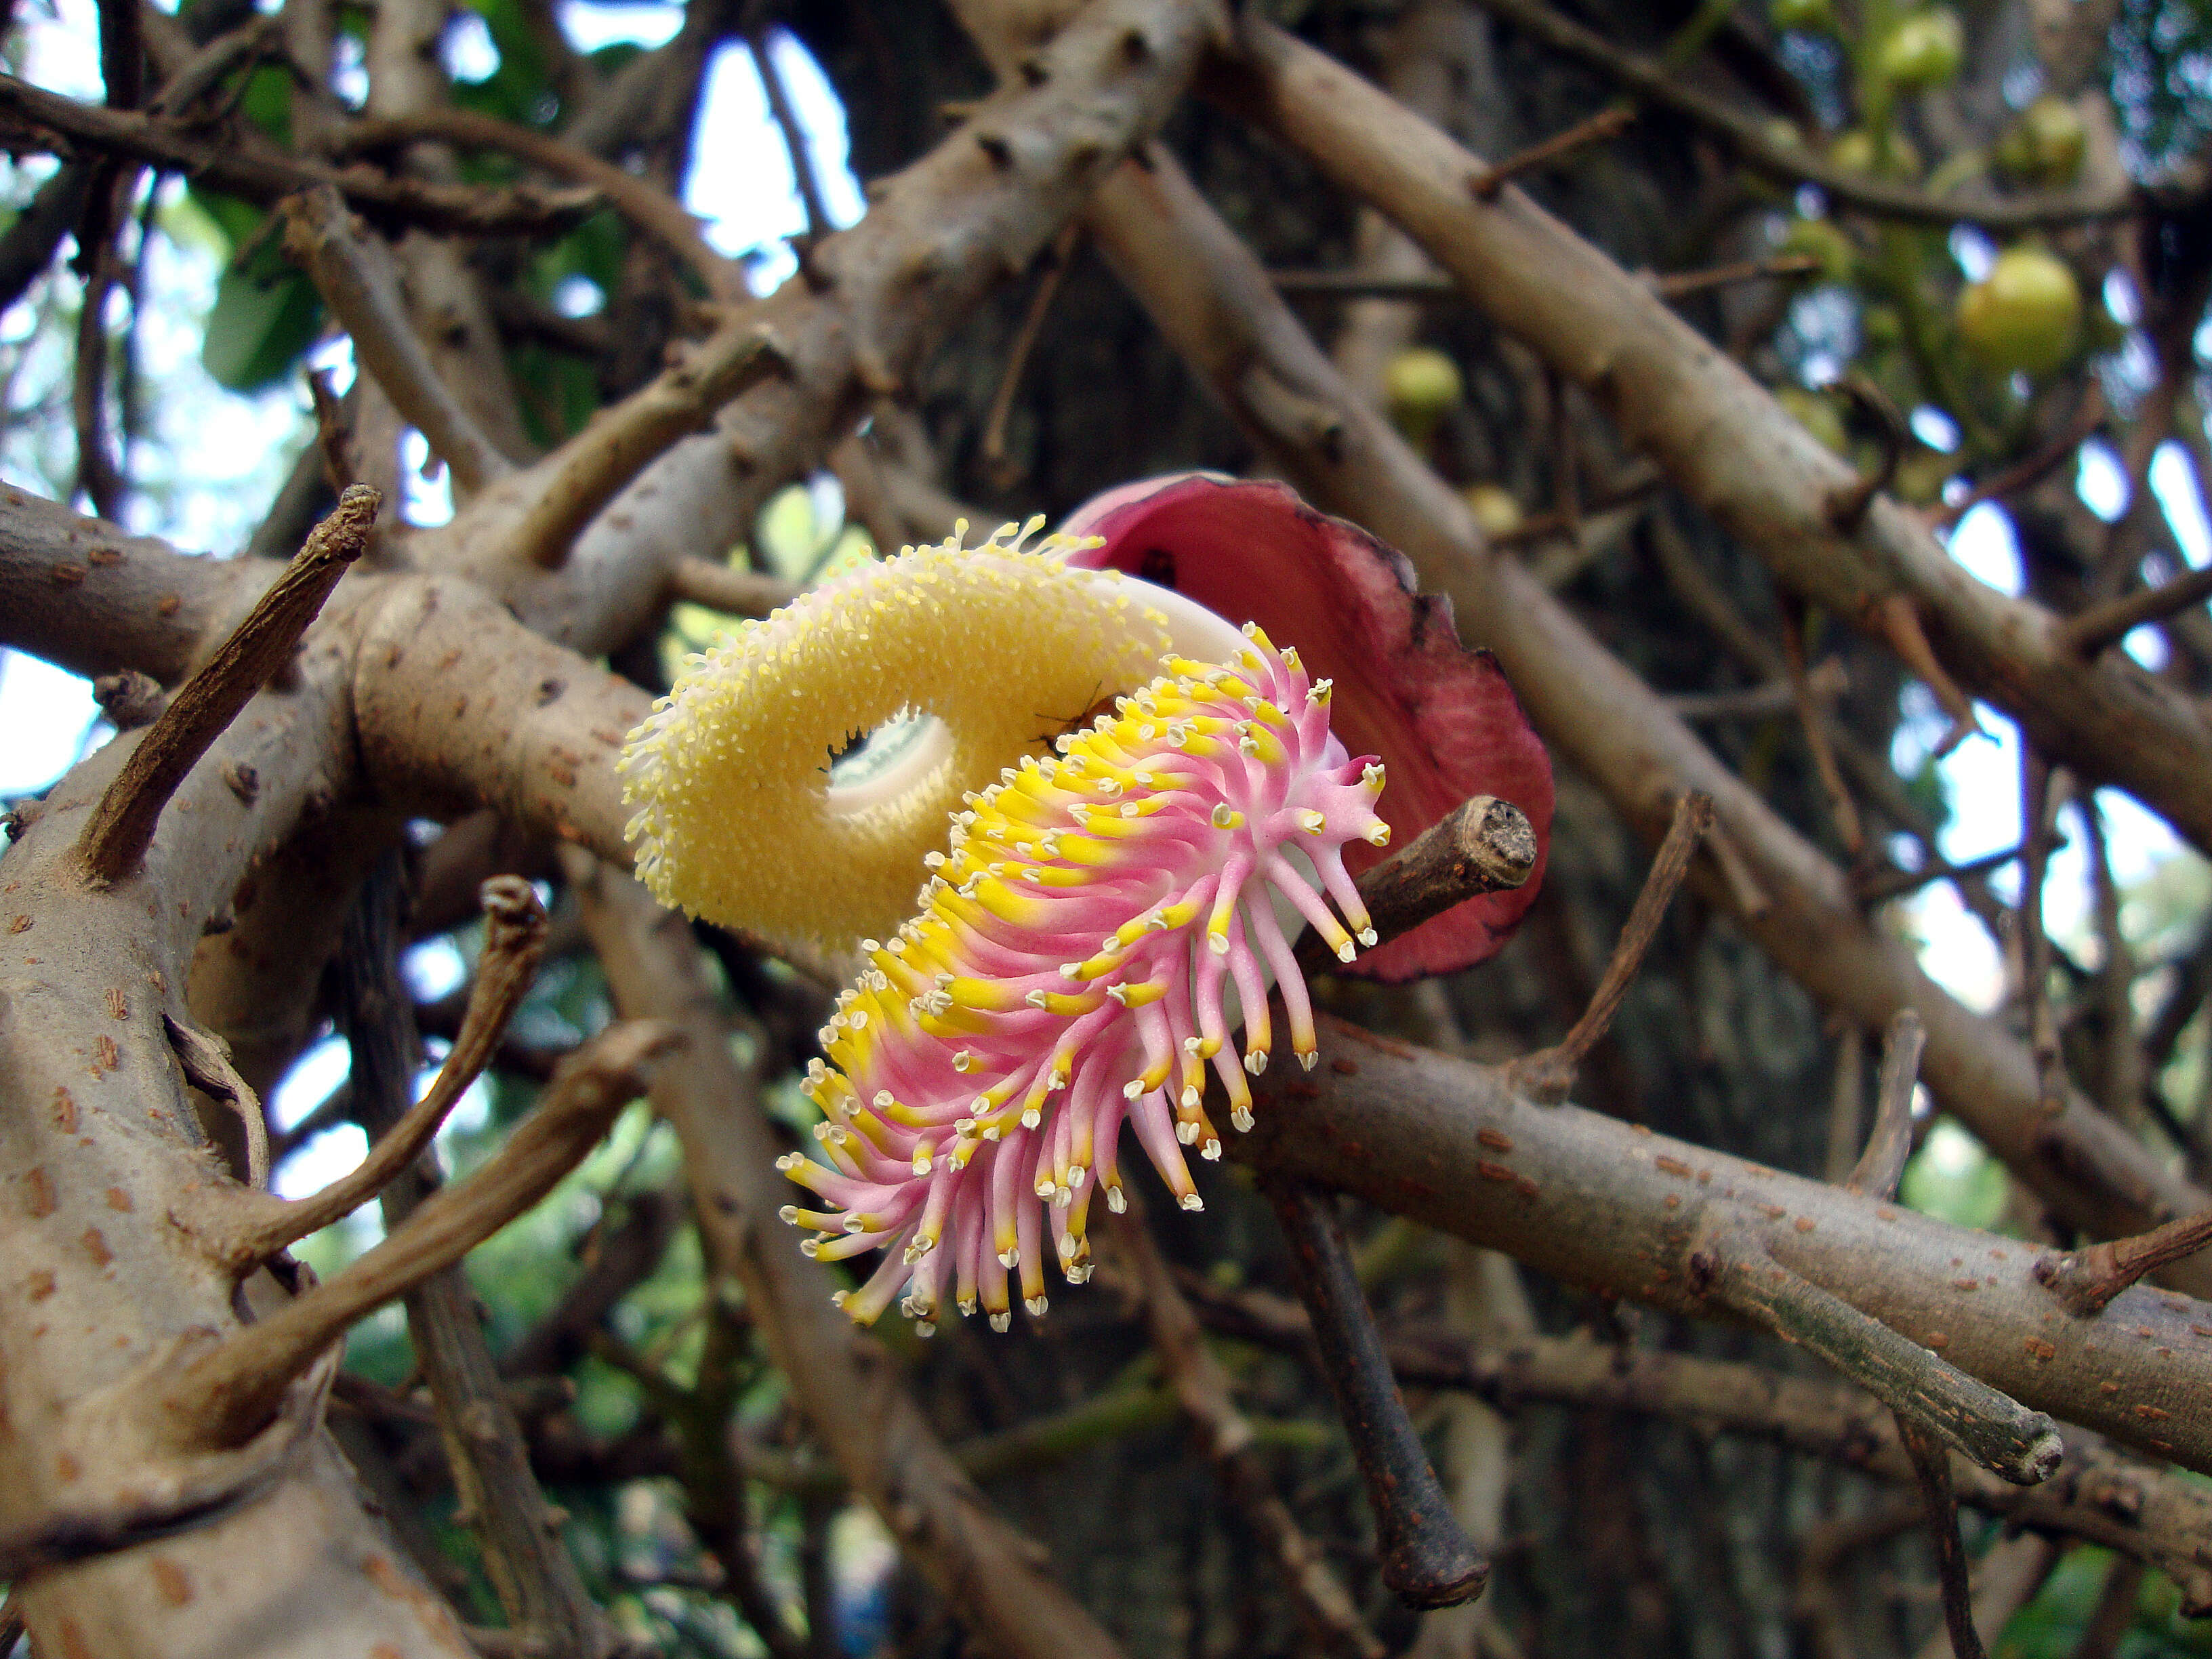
x: 964, y: 1061
x: 1210, y: 1150
x: 922, y: 1164
x: 1186, y: 1131
x: 1115, y: 1202
x: 1031, y: 1117
x: 809, y: 1247
x: 1310, y: 1061
x: 1241, y: 1117
x: 924, y: 1329
x: 1002, y: 1322
x: 1010, y: 1259
x: 1037, y: 1305
x: 1368, y: 937
x: 1255, y: 1061
x: 1191, y: 1202
x: 1190, y: 1098
x: 1345, y: 952
x: 1035, y: 998
x: 1133, y: 1088
x: 788, y: 1215
x: 791, y: 1161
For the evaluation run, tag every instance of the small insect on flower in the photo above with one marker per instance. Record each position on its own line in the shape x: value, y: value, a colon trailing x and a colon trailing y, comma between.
x: 1087, y: 938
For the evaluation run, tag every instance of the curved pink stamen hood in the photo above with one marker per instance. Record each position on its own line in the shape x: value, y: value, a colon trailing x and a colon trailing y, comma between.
x: 1070, y: 970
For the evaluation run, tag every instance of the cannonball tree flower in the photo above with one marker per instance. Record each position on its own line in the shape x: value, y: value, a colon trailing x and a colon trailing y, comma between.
x: 1145, y: 803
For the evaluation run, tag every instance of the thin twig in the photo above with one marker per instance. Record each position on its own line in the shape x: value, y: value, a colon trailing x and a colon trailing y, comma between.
x: 794, y: 136
x: 1549, y: 1074
x: 993, y: 446
x: 1681, y: 284
x: 2086, y: 1280
x: 263, y: 174
x: 97, y: 477
x: 1847, y: 507
x: 1605, y: 124
x: 1825, y: 681
x: 659, y: 215
x: 1483, y: 845
x: 724, y: 588
x: 1812, y: 717
x: 1993, y: 1429
x: 359, y: 282
x: 1878, y: 889
x: 207, y: 1068
x: 2039, y: 808
x: 1202, y: 1388
x: 2090, y: 631
x: 514, y: 942
x: 121, y: 826
x: 1931, y: 1465
x: 1889, y: 1143
x: 1895, y: 618
x: 227, y: 1394
x: 2021, y: 474
x: 1427, y: 1559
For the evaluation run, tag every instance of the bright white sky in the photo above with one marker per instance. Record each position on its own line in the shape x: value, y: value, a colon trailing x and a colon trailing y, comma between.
x: 216, y: 452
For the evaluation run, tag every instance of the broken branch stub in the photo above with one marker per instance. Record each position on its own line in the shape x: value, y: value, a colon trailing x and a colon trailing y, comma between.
x: 121, y: 826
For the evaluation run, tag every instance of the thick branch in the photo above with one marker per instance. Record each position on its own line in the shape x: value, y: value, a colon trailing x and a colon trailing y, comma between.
x: 1596, y: 1202
x: 116, y: 837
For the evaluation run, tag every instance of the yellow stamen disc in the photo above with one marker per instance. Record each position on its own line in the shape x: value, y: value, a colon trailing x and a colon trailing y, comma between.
x: 737, y: 816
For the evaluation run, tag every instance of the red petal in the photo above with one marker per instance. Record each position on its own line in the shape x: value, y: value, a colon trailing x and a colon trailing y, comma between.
x: 1441, y: 718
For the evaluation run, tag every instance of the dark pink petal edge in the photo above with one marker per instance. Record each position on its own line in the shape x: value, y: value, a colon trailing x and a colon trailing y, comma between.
x: 1441, y: 718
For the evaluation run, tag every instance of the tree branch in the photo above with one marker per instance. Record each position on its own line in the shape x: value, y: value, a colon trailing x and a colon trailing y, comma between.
x: 358, y: 282
x: 1719, y: 435
x: 255, y: 171
x: 1890, y: 1142
x: 653, y: 211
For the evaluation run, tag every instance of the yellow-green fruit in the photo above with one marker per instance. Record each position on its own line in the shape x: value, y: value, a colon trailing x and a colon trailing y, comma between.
x: 1817, y: 415
x: 2045, y: 145
x: 1422, y: 381
x: 2024, y: 315
x: 1494, y: 508
x: 1855, y: 152
x: 1822, y: 239
x: 1814, y: 16
x: 1924, y: 50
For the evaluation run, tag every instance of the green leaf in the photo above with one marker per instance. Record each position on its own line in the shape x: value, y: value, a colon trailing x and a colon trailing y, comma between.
x: 259, y: 328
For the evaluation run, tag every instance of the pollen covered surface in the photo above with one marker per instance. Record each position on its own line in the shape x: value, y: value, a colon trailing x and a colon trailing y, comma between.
x: 737, y: 820
x: 1071, y: 969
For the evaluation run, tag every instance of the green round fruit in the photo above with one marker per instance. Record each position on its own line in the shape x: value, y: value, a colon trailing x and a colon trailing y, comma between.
x: 1812, y: 16
x: 2045, y: 145
x: 1854, y: 151
x: 1924, y: 50
x: 1422, y: 382
x: 2024, y: 316
x: 1493, y: 507
x: 1818, y: 415
x: 1825, y: 242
